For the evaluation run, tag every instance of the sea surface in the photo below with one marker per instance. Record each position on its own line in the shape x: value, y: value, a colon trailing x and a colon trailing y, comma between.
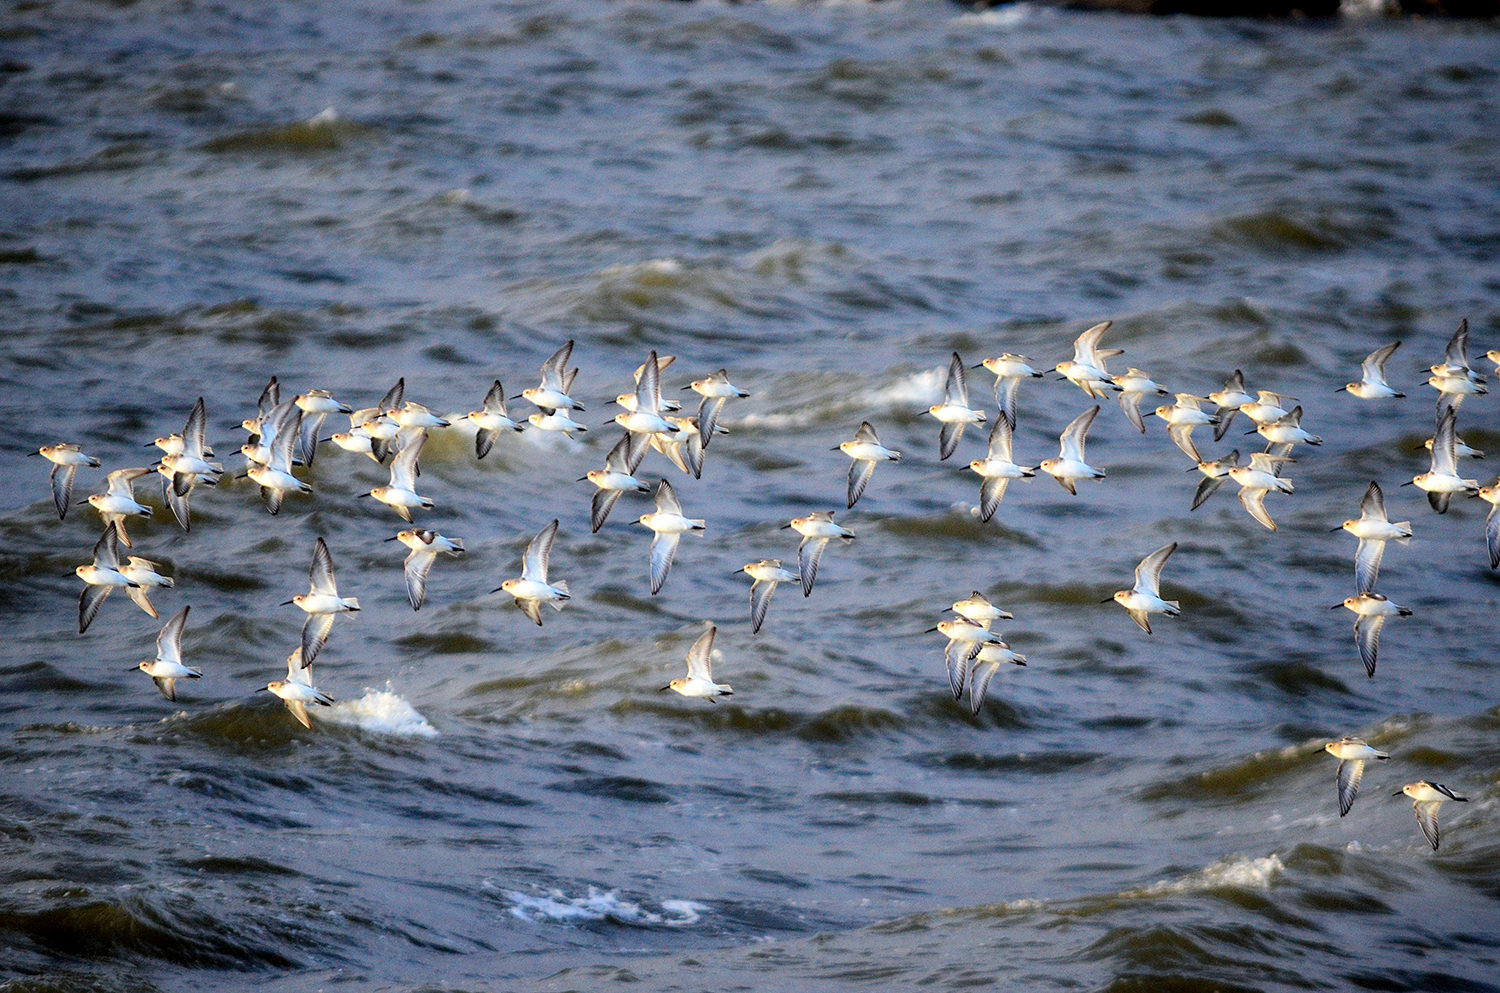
x: 827, y: 200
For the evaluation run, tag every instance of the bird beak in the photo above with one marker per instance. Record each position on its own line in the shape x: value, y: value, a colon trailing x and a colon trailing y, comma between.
x: 1341, y: 389
x: 132, y: 668
x: 1398, y: 793
x: 1191, y: 468
x: 391, y: 538
x: 784, y: 527
x: 1112, y: 600
x: 929, y: 630
x: 287, y: 603
x: 30, y: 454
x: 1336, y: 606
x: 264, y: 689
x: 1339, y: 528
x: 581, y: 479
x: 1407, y: 483
x: 664, y: 689
x: 499, y: 588
x: 358, y: 495
x: 152, y: 445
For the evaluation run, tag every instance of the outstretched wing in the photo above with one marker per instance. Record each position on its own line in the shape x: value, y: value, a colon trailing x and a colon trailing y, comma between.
x: 1148, y: 573
x: 663, y: 548
x: 808, y: 555
x: 538, y: 553
x: 315, y: 635
x: 418, y: 564
x: 760, y: 602
x: 1350, y: 773
x: 700, y: 656
x: 860, y: 471
x: 1367, y: 636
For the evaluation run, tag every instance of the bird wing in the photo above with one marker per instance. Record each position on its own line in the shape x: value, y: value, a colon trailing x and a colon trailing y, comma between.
x: 418, y: 564
x: 1367, y: 636
x: 1182, y: 435
x: 169, y: 642
x: 107, y: 550
x: 281, y: 435
x: 956, y: 389
x: 636, y: 446
x: 1457, y: 354
x: 1148, y: 573
x: 1226, y: 417
x: 1350, y: 773
x: 1206, y: 489
x: 760, y: 602
x: 484, y: 440
x: 494, y: 400
x: 1444, y: 442
x: 709, y: 410
x: 948, y: 438
x: 648, y: 389
x: 666, y: 500
x: 1005, y: 398
x: 663, y: 548
x: 394, y: 396
x: 866, y: 434
x: 531, y: 608
x: 270, y: 398
x: 809, y: 552
x: 860, y: 471
x: 193, y: 435
x: 538, y: 553
x: 1372, y: 506
x: 991, y: 492
x: 1075, y: 435
x: 307, y: 442
x: 1492, y: 536
x: 700, y: 656
x: 604, y: 502
x: 140, y: 596
x: 1131, y: 404
x: 1426, y: 811
x: 1372, y: 370
x: 1086, y: 345
x: 958, y: 665
x: 299, y: 711
x: 618, y: 459
x: 1142, y: 620
x: 315, y: 632
x: 404, y: 469
x: 1367, y: 563
x: 556, y: 367
x: 1254, y: 501
x: 62, y: 487
x: 178, y: 501
x: 89, y: 603
x: 321, y: 572
x: 1001, y: 440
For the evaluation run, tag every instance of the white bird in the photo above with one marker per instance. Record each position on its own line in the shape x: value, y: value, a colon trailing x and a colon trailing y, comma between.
x: 1371, y: 609
x: 1144, y: 598
x: 1491, y: 495
x: 1086, y: 370
x: 401, y: 493
x: 556, y: 420
x: 1460, y: 449
x: 1070, y: 464
x: 1427, y: 797
x: 118, y: 501
x: 1134, y: 385
x: 965, y: 639
x: 865, y: 450
x: 1372, y: 384
x: 1009, y: 370
x: 615, y: 478
x: 816, y: 529
x: 315, y: 405
x: 414, y: 415
x: 189, y: 463
x: 668, y: 526
x: 1455, y: 362
x: 1182, y: 417
x: 533, y: 588
x: 1214, y: 474
x: 491, y: 419
x: 425, y: 546
x: 1287, y: 430
x: 66, y: 459
x: 1373, y: 530
x: 699, y: 682
x: 1229, y: 400
x: 321, y: 602
x: 1443, y: 480
x: 101, y: 576
x: 1259, y: 478
x: 646, y: 419
x: 993, y: 655
x: 557, y: 381
x: 297, y: 689
x: 167, y: 667
x: 270, y: 399
x: 766, y: 573
x: 997, y: 470
x: 977, y: 608
x: 954, y: 412
x: 716, y: 391
x: 1352, y: 754
x: 275, y: 475
x: 143, y: 574
x: 1269, y: 407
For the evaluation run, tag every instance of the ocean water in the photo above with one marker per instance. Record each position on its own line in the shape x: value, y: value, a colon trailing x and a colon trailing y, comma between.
x: 827, y: 200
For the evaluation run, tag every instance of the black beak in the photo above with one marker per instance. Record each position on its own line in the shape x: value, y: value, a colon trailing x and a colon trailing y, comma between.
x: 581, y: 479
x: 287, y: 603
x: 1398, y: 793
x: 499, y: 588
x: 929, y: 630
x: 264, y: 689
x: 664, y: 688
x: 1331, y: 530
x: 1409, y: 482
x: 132, y: 668
x: 1336, y: 606
x: 358, y: 495
x: 1341, y: 389
x: 1112, y: 600
x: 391, y: 538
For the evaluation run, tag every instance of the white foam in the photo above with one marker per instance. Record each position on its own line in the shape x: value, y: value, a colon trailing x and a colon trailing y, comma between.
x: 1244, y: 873
x: 920, y: 389
x: 382, y: 712
x: 598, y: 905
x: 1003, y: 17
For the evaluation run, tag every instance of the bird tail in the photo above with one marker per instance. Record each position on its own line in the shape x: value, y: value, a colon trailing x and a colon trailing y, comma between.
x: 1175, y: 605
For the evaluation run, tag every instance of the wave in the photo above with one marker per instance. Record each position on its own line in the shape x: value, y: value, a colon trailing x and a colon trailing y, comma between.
x: 555, y: 906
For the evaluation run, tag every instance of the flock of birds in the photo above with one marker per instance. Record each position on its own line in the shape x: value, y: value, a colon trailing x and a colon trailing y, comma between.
x: 285, y: 434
